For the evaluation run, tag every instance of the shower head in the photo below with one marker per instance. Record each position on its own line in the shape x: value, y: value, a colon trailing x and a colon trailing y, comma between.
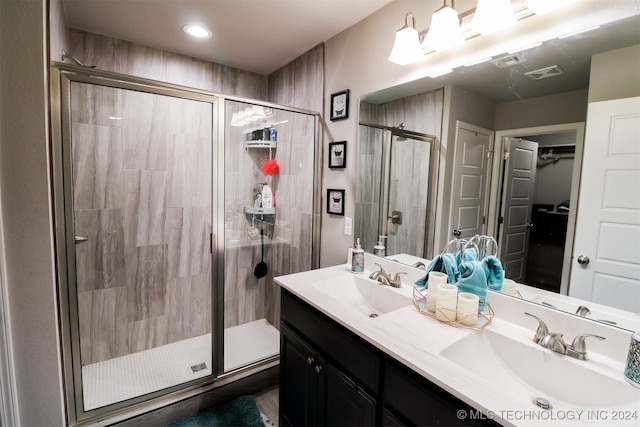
x: 74, y: 59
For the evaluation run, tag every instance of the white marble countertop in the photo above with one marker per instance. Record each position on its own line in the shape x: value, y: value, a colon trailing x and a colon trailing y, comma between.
x: 418, y: 341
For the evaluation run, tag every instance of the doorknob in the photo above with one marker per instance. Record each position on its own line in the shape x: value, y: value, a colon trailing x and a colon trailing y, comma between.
x: 583, y: 260
x: 80, y: 239
x: 529, y: 225
x: 457, y: 233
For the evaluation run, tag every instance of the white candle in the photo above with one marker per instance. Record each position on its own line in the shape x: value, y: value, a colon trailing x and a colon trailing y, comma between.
x: 446, y: 302
x: 435, y: 278
x: 467, y: 311
x: 508, y: 287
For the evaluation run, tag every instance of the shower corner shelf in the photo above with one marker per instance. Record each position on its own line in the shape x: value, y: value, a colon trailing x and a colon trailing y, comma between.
x: 260, y: 144
x: 262, y: 214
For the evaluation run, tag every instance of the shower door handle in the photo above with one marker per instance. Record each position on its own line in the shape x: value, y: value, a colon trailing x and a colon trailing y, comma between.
x: 81, y: 239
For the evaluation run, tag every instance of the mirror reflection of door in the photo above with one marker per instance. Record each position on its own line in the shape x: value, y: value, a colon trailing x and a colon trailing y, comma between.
x: 517, y: 201
x: 409, y: 168
x: 471, y: 178
x: 535, y: 247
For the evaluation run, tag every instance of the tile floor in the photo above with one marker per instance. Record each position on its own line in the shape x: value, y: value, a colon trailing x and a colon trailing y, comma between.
x: 140, y: 373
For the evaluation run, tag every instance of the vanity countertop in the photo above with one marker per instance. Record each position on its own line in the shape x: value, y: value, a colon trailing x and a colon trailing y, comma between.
x: 418, y: 341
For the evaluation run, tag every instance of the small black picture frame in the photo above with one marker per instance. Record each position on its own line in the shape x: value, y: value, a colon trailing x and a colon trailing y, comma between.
x: 335, y: 201
x: 340, y: 105
x: 338, y: 154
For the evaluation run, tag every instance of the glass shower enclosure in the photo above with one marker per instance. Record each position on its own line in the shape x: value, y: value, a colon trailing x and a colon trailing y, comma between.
x: 159, y: 234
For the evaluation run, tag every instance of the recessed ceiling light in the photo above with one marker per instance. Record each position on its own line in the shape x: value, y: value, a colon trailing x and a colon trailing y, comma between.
x: 197, y: 31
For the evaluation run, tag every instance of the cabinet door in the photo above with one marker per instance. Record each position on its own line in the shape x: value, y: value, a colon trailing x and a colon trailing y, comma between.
x: 346, y: 404
x: 298, y: 380
x: 416, y: 401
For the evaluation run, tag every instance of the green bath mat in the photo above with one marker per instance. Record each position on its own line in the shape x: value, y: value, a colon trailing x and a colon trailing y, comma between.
x: 240, y: 412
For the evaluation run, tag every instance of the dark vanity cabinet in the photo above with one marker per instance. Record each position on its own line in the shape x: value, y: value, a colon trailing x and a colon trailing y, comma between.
x: 331, y: 377
x: 315, y: 386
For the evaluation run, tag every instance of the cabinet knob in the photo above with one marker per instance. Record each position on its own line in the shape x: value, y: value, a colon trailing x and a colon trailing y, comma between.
x: 310, y: 361
x: 457, y: 233
x: 318, y: 369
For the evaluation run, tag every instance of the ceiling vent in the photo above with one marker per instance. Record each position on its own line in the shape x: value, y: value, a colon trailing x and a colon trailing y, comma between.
x: 545, y: 73
x: 509, y: 60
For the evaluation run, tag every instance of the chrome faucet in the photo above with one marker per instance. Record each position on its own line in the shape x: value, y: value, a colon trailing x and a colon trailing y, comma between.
x: 419, y: 264
x: 554, y: 341
x: 384, y: 278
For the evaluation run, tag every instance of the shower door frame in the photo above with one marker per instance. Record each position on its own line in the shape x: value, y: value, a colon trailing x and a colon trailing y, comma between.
x: 61, y: 77
x: 388, y: 132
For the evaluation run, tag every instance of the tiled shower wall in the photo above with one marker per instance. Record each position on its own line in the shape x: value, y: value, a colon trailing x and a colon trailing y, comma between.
x: 288, y: 237
x: 419, y: 113
x: 142, y: 196
x: 298, y: 84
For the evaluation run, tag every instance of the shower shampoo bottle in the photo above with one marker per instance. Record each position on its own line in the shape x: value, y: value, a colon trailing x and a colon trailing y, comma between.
x: 267, y: 196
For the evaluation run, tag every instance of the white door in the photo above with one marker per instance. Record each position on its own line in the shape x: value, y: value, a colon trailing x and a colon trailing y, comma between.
x: 471, y: 176
x: 606, y: 257
x: 517, y: 200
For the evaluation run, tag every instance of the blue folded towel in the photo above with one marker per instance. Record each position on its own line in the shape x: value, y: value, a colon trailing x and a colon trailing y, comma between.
x: 445, y: 263
x: 472, y: 279
x: 495, y: 273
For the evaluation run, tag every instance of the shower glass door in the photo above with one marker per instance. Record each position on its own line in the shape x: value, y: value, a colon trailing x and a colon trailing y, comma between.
x: 139, y: 211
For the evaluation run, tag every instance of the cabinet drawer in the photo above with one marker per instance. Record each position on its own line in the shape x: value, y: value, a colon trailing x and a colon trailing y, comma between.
x: 346, y: 349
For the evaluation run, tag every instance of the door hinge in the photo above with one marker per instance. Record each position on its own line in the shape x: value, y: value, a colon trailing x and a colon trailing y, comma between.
x: 500, y: 220
x: 506, y: 155
x: 213, y: 244
x: 484, y: 218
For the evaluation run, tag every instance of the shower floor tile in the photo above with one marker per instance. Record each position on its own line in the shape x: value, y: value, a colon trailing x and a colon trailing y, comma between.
x: 147, y: 371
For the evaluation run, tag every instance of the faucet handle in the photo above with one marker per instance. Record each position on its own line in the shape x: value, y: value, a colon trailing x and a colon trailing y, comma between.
x: 396, y: 282
x: 542, y: 330
x: 578, y: 345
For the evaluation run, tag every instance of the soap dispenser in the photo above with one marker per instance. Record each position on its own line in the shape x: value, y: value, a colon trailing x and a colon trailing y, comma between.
x: 379, y: 248
x: 357, y: 258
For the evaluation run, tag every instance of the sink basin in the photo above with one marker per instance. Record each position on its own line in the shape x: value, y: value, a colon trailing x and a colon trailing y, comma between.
x: 512, y: 364
x: 366, y: 296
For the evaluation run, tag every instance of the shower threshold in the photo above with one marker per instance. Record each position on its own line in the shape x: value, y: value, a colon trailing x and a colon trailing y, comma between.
x: 137, y: 374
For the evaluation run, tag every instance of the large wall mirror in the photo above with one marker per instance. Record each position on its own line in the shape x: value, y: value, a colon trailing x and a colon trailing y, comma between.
x: 510, y: 98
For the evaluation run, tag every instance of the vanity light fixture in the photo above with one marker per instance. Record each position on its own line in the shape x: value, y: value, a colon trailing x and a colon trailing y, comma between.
x: 197, y: 31
x: 444, y: 31
x: 492, y: 16
x: 406, y: 48
x: 540, y: 7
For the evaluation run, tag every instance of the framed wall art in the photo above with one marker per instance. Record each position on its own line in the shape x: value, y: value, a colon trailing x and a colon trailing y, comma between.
x: 338, y: 154
x: 335, y: 201
x: 340, y: 105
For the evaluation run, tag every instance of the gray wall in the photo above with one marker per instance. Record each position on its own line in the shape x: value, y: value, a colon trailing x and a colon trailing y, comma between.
x: 615, y: 74
x: 26, y: 213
